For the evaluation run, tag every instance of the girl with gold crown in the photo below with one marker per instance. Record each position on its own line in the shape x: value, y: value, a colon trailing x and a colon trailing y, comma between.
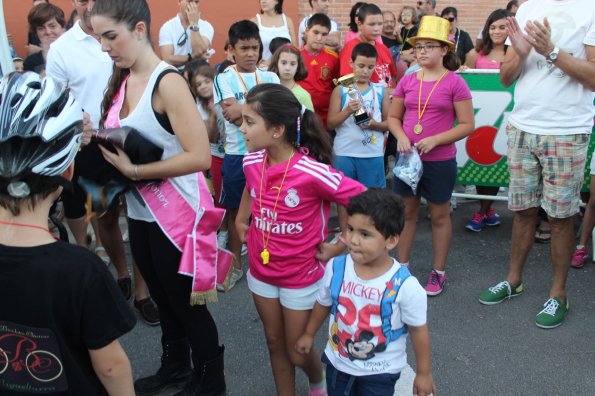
x: 424, y: 108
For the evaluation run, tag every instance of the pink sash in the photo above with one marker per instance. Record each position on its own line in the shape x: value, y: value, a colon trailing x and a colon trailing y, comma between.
x: 197, y: 240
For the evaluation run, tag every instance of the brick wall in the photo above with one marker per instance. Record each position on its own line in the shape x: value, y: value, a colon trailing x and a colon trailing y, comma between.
x: 472, y: 13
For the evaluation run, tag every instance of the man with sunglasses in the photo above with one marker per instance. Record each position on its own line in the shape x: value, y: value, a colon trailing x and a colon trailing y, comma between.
x: 185, y: 36
x: 426, y: 7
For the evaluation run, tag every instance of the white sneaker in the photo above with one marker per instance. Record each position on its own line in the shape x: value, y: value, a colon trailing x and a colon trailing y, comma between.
x: 244, y: 250
x: 222, y: 239
x: 236, y: 275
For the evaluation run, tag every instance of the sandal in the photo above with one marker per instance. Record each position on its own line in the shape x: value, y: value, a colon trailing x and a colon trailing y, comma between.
x: 543, y: 236
x: 102, y: 254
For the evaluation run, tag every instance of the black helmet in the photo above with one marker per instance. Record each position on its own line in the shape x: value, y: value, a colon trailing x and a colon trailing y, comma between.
x: 40, y: 131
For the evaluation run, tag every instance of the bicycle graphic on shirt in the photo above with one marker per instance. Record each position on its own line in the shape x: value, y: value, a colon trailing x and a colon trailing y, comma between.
x: 42, y: 366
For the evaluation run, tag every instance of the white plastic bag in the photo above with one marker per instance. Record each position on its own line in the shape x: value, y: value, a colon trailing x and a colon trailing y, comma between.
x: 409, y: 168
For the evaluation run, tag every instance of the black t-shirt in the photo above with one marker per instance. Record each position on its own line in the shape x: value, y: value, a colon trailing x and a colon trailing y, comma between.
x: 463, y: 44
x: 57, y: 302
x: 32, y: 38
x: 407, y: 34
x: 34, y: 63
x: 389, y: 42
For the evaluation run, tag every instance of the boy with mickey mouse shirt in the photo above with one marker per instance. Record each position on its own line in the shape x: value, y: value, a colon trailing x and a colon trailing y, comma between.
x: 374, y: 302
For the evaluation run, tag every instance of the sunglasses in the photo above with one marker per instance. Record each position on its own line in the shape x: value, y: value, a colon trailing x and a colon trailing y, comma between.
x: 450, y: 19
x: 182, y: 40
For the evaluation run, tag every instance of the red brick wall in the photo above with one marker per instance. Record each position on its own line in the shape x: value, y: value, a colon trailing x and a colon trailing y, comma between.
x: 472, y: 13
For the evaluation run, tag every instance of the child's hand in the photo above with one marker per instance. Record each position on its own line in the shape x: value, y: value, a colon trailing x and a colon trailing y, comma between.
x: 403, y: 144
x: 423, y: 385
x: 242, y: 229
x: 327, y: 251
x: 304, y: 344
x: 426, y: 145
x: 353, y: 106
x: 87, y: 129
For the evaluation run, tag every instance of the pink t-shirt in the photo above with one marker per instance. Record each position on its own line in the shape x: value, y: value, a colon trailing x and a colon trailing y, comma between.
x: 299, y: 223
x: 440, y: 113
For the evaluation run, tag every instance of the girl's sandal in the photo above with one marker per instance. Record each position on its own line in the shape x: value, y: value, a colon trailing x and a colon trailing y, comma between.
x: 102, y: 254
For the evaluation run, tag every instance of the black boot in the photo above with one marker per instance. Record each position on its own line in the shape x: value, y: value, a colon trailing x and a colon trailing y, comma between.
x: 175, y: 370
x: 208, y: 378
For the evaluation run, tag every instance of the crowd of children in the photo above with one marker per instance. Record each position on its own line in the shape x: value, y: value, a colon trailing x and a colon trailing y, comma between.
x: 287, y: 140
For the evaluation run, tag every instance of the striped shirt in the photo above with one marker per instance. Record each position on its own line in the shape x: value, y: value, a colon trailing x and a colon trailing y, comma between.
x: 300, y: 221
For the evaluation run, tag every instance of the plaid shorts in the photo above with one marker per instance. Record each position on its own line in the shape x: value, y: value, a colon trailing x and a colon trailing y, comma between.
x: 546, y: 171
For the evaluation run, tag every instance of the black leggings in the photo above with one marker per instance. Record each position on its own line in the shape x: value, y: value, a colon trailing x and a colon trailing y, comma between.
x: 158, y: 261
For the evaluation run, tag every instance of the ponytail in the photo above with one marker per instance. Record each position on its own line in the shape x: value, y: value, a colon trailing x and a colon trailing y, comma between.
x: 113, y: 87
x: 451, y: 61
x: 277, y: 105
x: 315, y: 138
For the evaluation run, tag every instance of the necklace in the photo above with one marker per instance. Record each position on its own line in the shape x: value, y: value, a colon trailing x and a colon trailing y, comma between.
x: 407, y: 31
x: 418, y: 129
x: 265, y: 255
x: 29, y: 226
x: 235, y: 68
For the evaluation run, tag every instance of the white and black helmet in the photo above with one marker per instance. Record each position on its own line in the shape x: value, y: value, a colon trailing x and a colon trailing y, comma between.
x: 40, y: 130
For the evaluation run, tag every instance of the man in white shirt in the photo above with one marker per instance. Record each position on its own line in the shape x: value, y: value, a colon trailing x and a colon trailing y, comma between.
x: 552, y: 60
x: 333, y: 41
x: 185, y: 36
x: 76, y: 60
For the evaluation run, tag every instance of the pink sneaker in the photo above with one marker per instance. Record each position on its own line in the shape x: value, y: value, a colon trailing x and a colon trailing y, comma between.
x: 317, y: 392
x: 435, y: 283
x: 579, y: 257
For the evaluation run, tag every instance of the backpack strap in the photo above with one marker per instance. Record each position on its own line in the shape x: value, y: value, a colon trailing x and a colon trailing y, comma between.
x: 337, y: 281
x: 386, y: 304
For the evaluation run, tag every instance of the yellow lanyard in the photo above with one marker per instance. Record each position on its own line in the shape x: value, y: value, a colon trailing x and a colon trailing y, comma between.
x: 235, y: 68
x: 418, y: 129
x: 265, y: 255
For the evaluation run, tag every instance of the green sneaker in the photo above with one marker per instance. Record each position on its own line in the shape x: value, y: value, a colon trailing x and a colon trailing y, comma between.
x: 502, y: 291
x: 553, y: 313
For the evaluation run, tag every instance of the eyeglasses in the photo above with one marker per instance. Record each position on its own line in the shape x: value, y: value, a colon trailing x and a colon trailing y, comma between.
x: 426, y: 47
x: 183, y: 38
x: 450, y: 19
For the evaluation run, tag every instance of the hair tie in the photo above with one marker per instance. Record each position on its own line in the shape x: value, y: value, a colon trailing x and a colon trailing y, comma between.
x: 18, y: 189
x: 299, y: 124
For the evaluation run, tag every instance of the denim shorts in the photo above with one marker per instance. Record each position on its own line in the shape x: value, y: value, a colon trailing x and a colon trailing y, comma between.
x: 436, y: 183
x: 367, y: 171
x: 546, y: 171
x: 339, y: 383
x: 234, y: 181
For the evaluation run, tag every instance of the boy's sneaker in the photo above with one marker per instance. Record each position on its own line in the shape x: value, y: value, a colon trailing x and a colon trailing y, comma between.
x: 553, y: 313
x: 477, y: 223
x: 579, y: 257
x: 435, y: 283
x: 502, y: 291
x: 492, y: 218
x: 236, y: 275
x: 222, y: 239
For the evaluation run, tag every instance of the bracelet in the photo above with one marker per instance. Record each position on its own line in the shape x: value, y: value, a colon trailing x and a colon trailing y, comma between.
x: 341, y: 239
x: 136, y: 177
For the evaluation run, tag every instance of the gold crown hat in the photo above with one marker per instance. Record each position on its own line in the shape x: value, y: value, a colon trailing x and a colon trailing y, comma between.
x: 433, y: 28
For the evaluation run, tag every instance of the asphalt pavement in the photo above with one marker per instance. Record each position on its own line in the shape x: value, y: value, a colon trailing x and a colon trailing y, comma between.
x: 476, y: 349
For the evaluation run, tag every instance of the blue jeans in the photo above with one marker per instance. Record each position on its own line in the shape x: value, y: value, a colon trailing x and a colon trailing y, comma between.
x: 339, y: 383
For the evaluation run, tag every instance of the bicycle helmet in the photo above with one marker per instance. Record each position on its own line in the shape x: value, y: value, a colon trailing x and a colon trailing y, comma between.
x: 40, y: 132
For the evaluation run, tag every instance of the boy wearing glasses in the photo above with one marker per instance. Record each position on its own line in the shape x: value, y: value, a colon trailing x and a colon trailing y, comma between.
x: 185, y: 36
x: 358, y: 114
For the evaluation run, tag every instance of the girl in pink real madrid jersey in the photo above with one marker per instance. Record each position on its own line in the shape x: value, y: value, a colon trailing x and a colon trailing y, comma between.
x: 289, y: 188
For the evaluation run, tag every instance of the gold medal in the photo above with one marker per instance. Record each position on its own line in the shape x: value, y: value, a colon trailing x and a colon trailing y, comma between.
x: 265, y: 255
x: 418, y: 129
x: 373, y: 139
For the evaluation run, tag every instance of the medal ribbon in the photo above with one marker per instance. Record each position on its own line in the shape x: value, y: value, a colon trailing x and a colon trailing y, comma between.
x: 420, y: 112
x: 235, y: 68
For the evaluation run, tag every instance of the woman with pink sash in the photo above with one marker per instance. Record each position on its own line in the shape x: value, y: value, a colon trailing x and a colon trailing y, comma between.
x: 171, y: 214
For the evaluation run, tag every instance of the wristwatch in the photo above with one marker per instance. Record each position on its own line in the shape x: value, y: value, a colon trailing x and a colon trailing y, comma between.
x: 194, y: 28
x: 551, y: 58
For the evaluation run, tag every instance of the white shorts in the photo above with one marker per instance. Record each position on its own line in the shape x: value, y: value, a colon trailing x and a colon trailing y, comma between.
x: 296, y: 299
